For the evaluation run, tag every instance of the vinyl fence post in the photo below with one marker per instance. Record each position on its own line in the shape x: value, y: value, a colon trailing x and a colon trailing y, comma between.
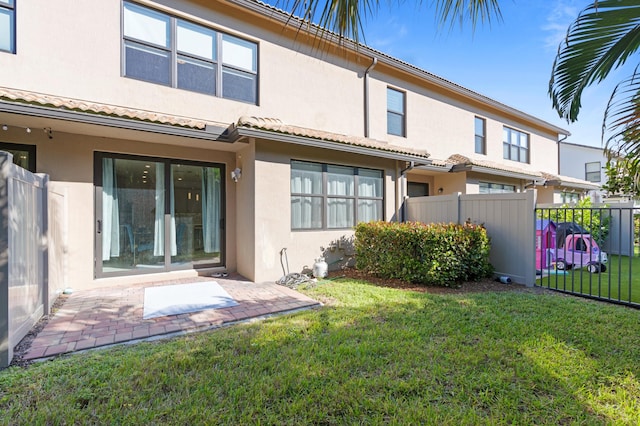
x: 6, y: 351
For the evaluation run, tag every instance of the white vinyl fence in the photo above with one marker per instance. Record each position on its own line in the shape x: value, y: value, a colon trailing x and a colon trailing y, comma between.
x: 508, y: 218
x: 24, y: 289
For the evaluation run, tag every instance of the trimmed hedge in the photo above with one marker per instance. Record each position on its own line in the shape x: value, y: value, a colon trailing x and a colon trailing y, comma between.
x: 435, y: 254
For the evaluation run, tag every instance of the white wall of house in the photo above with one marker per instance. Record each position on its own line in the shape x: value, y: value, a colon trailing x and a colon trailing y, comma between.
x: 573, y: 161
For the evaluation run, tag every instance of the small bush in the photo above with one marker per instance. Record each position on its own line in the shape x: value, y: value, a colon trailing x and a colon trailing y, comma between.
x: 435, y: 254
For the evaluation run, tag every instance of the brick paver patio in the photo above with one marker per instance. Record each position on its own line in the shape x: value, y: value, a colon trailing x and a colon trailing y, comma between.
x: 104, y: 316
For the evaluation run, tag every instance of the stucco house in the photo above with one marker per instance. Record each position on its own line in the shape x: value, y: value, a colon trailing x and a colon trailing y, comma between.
x: 189, y: 136
x: 584, y: 162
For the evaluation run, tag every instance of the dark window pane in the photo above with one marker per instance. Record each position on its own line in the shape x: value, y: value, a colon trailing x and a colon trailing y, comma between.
x: 479, y: 145
x: 238, y: 85
x: 395, y: 124
x: 148, y: 64
x: 417, y: 189
x: 7, y: 22
x: 195, y: 75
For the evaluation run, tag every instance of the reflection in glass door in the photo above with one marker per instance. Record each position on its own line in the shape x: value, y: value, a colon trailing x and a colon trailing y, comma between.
x: 197, y: 192
x: 157, y: 215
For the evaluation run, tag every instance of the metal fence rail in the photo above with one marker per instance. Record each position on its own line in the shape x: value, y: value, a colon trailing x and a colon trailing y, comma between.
x: 588, y: 252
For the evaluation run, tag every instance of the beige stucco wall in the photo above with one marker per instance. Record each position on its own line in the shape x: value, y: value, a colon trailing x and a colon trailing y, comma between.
x: 68, y: 160
x: 59, y: 54
x: 273, y: 207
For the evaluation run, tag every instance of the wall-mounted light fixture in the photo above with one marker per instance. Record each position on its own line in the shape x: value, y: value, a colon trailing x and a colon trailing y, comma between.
x: 47, y: 130
x: 236, y: 174
x: 440, y: 190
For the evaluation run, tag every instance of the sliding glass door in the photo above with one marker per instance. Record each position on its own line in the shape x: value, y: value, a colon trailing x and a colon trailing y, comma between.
x: 157, y: 214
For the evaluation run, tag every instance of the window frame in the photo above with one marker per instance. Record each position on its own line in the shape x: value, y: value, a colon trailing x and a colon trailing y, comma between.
x: 597, y: 172
x: 30, y: 149
x: 496, y: 188
x: 413, y: 186
x: 168, y: 265
x: 324, y: 195
x: 11, y: 8
x: 176, y: 55
x: 480, y: 138
x: 510, y: 144
x: 402, y: 114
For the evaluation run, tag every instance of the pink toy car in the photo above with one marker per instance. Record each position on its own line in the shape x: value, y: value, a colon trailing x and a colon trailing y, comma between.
x: 577, y: 251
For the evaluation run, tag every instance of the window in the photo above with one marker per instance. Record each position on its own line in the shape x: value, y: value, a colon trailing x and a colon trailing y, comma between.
x: 515, y: 145
x: 417, y: 189
x: 395, y: 112
x: 158, y: 214
x: 23, y: 155
x: 570, y: 197
x: 333, y: 197
x: 592, y: 171
x: 480, y: 126
x: 496, y: 188
x: 166, y: 50
x: 8, y: 26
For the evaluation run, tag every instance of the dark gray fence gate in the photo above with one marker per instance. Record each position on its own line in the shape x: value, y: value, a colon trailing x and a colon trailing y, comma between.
x: 589, y: 252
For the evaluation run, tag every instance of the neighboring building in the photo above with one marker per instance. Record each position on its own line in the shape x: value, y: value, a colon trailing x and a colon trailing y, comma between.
x: 583, y: 162
x: 189, y: 136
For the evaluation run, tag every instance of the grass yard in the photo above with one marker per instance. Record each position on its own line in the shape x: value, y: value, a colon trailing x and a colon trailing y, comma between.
x: 372, y: 355
x: 621, y: 278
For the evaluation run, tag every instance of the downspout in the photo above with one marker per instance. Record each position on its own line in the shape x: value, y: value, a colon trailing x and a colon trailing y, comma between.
x: 403, y: 173
x: 559, y: 141
x: 366, y: 96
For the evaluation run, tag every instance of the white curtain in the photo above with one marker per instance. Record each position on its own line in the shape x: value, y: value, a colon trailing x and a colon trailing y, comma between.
x: 211, y: 209
x: 340, y: 210
x: 306, y: 212
x: 158, y: 234
x: 369, y: 210
x: 110, y: 211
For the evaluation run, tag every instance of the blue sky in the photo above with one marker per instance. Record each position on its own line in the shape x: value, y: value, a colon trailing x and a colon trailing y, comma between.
x: 509, y: 61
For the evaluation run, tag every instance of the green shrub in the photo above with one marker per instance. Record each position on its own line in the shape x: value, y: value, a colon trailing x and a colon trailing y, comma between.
x: 435, y: 254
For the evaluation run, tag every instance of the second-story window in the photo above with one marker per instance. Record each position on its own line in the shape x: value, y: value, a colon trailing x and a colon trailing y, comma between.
x: 167, y: 50
x: 8, y: 26
x: 480, y: 126
x: 515, y: 145
x: 592, y: 171
x: 396, y: 117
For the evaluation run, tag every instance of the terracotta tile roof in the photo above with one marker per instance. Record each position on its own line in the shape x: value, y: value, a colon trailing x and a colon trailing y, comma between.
x: 458, y: 159
x: 41, y: 99
x: 276, y: 125
x: 569, y: 181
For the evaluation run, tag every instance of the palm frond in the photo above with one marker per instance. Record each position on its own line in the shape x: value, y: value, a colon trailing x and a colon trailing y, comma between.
x: 453, y: 11
x: 621, y: 125
x: 601, y: 39
x: 346, y: 18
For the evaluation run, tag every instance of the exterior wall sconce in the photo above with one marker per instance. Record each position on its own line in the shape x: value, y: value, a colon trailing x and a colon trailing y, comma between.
x: 236, y: 174
x: 440, y: 190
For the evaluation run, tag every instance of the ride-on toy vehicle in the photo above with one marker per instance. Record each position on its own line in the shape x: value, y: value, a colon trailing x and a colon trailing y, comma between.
x: 578, y: 250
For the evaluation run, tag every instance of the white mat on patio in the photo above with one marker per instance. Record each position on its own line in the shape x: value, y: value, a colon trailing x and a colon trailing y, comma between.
x: 178, y: 299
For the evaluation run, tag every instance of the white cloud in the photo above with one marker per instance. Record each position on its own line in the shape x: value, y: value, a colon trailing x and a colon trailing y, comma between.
x: 561, y: 15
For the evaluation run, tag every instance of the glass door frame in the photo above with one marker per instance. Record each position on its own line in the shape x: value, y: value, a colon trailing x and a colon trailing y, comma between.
x: 168, y: 266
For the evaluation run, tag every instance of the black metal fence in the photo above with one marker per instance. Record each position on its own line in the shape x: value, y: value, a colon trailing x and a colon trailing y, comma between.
x: 589, y: 252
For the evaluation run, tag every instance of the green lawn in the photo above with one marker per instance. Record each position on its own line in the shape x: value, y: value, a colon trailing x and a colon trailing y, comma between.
x: 621, y: 277
x: 371, y: 356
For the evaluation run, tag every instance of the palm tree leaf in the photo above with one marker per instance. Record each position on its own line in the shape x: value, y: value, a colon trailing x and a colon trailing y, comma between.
x: 621, y: 126
x: 346, y: 18
x: 601, y: 39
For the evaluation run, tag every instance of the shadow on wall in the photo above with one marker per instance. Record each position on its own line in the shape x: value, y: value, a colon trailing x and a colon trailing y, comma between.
x: 340, y: 253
